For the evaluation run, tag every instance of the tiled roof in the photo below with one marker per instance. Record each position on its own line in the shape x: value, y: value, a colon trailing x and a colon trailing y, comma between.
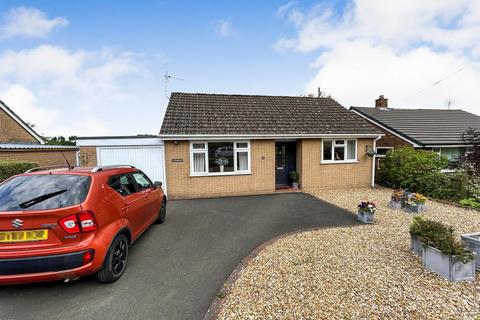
x: 220, y: 114
x: 424, y: 126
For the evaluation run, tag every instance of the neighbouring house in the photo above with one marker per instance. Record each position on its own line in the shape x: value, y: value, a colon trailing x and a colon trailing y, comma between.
x: 224, y: 145
x: 439, y: 130
x: 19, y: 142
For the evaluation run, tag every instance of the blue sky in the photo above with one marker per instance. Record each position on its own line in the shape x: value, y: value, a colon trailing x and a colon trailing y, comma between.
x: 96, y: 67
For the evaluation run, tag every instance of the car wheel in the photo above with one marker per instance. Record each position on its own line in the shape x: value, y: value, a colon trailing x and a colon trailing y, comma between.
x: 163, y: 213
x: 115, y: 261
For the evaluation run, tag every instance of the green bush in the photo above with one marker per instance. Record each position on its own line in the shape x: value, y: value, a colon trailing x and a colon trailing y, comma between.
x: 471, y: 202
x: 438, y: 235
x: 11, y: 168
x: 416, y: 170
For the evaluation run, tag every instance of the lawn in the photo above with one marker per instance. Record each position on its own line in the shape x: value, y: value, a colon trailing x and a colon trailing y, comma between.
x: 357, y: 272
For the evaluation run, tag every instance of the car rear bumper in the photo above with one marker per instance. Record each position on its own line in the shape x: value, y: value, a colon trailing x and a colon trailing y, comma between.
x: 52, y: 263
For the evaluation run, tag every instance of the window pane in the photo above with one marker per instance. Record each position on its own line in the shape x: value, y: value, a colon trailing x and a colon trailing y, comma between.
x: 142, y: 181
x: 199, y: 162
x: 327, y: 150
x: 198, y: 145
x: 123, y: 184
x: 339, y: 141
x: 242, y: 161
x: 220, y: 156
x: 243, y: 145
x: 351, y: 152
x: 339, y: 153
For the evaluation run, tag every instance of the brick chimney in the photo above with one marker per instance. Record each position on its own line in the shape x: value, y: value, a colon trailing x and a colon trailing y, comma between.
x: 381, y: 103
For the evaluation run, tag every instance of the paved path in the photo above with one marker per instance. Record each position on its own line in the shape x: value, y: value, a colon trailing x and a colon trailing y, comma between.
x: 176, y: 269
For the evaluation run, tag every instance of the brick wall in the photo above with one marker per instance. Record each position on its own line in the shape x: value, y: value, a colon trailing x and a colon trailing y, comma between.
x: 88, y: 156
x: 12, y: 132
x: 40, y: 157
x: 390, y: 140
x: 181, y: 185
x: 317, y: 175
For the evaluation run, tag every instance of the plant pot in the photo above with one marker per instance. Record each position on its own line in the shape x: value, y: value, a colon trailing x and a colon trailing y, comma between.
x: 415, y: 209
x: 221, y: 168
x: 472, y: 241
x: 416, y: 245
x: 295, y: 185
x: 448, y: 266
x: 365, y: 217
x: 397, y: 205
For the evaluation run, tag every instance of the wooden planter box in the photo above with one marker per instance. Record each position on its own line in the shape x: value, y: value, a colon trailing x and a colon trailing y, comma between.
x: 365, y: 217
x: 415, y: 209
x: 472, y: 241
x: 397, y: 205
x: 416, y: 245
x: 448, y: 266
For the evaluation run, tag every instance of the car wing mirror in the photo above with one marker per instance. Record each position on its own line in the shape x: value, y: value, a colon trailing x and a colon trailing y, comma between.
x: 157, y: 184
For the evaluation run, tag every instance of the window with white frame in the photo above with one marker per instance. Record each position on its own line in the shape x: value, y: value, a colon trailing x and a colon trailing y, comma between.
x: 339, y: 150
x: 220, y: 157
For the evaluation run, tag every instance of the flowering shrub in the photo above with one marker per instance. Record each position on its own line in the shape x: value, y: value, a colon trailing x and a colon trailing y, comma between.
x: 367, y: 207
x: 416, y: 199
x: 397, y: 195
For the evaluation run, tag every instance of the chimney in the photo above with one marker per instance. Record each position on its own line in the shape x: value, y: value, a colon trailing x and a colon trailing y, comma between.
x: 381, y: 103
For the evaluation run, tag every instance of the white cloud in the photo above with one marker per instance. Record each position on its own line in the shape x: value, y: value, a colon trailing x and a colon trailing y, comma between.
x: 394, y: 48
x: 287, y: 6
x: 28, y: 22
x: 225, y: 29
x: 72, y: 83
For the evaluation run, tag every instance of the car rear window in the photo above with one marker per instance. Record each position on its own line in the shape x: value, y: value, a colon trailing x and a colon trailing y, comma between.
x: 43, y: 192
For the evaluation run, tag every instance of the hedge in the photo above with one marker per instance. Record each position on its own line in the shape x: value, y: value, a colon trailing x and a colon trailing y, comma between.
x: 11, y: 168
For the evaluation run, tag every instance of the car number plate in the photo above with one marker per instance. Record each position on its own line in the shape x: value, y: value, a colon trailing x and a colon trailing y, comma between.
x: 23, y: 235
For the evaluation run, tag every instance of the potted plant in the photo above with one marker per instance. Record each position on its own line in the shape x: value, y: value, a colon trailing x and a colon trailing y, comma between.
x: 294, y: 177
x: 396, y: 199
x: 415, y: 203
x: 441, y: 252
x: 472, y: 241
x: 366, y: 211
x: 221, y: 162
x: 417, y: 228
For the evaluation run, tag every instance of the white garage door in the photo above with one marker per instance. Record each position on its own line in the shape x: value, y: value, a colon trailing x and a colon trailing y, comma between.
x: 149, y: 159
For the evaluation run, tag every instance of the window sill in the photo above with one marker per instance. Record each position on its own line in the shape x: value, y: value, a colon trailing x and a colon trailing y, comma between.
x: 217, y: 174
x: 339, y: 162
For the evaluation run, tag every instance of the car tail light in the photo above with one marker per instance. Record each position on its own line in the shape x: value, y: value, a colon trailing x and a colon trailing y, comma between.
x: 70, y: 224
x: 88, y: 256
x: 84, y: 221
x: 87, y: 221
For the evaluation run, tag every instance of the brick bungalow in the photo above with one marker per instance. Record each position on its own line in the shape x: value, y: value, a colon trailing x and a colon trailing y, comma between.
x: 222, y: 145
x: 19, y: 142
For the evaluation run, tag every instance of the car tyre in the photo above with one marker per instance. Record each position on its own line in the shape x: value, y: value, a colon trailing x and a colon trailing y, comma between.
x: 163, y: 213
x: 115, y: 261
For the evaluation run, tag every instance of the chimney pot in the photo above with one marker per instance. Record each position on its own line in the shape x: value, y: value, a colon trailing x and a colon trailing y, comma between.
x: 381, y: 102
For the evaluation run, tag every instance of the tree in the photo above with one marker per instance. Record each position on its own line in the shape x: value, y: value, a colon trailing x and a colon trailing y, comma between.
x: 60, y: 140
x: 471, y: 159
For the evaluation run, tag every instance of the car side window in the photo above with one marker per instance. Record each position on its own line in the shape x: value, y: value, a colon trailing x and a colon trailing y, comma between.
x: 142, y: 180
x: 123, y: 184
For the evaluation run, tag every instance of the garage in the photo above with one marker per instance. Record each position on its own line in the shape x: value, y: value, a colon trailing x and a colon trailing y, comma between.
x: 145, y: 152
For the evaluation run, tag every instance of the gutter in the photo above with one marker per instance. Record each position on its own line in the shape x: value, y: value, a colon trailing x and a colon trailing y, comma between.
x: 374, y: 159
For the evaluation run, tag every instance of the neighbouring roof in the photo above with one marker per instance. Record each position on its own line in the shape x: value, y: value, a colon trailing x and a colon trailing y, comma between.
x: 423, y: 126
x: 35, y: 146
x: 22, y: 123
x: 228, y: 114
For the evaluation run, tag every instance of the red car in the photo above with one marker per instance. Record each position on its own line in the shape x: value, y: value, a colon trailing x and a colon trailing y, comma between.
x: 64, y: 223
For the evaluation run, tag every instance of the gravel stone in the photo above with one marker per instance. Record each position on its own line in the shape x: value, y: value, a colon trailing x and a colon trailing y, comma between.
x: 356, y: 272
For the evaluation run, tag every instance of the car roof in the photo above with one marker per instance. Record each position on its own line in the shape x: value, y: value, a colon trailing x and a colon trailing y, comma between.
x: 110, y: 170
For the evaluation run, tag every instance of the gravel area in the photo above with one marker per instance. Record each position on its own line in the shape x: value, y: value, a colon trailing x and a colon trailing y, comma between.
x: 357, y: 272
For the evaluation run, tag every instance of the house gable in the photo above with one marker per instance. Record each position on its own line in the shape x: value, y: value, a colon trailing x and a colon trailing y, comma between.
x: 14, y: 130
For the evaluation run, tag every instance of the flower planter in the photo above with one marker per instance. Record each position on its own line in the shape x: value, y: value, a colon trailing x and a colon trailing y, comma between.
x: 397, y: 205
x: 295, y: 185
x: 448, y: 266
x: 365, y: 217
x: 416, y: 245
x: 415, y: 209
x: 472, y: 241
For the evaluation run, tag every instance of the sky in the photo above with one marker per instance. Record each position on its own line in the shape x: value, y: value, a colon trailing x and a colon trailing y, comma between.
x: 90, y: 68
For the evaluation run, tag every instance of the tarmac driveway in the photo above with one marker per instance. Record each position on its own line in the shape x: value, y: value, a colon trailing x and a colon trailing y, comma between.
x: 176, y: 269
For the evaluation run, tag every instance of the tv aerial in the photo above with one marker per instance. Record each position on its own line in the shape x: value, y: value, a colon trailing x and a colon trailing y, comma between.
x: 167, y: 78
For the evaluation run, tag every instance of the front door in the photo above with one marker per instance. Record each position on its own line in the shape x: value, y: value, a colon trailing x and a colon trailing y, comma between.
x: 285, y: 162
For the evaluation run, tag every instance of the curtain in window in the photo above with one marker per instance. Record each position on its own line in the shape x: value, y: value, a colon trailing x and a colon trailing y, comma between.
x: 242, y: 161
x: 198, y: 162
x: 351, y: 152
